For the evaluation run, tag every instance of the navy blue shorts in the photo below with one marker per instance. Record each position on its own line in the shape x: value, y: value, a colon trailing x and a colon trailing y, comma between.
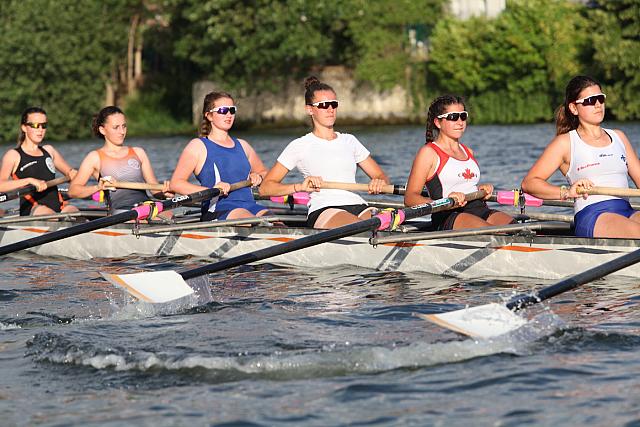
x: 585, y: 220
x: 254, y: 208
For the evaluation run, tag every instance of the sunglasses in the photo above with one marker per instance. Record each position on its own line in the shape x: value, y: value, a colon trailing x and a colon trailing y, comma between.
x: 324, y: 105
x: 591, y: 100
x: 37, y: 125
x: 224, y: 110
x: 453, y: 117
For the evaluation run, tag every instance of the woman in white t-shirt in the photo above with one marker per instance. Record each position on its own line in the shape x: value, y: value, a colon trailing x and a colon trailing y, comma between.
x: 325, y: 155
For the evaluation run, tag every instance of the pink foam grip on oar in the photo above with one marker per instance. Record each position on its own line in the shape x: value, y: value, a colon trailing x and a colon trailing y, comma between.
x: 145, y: 210
x: 507, y: 198
x: 387, y: 217
x: 98, y: 196
x: 299, y: 198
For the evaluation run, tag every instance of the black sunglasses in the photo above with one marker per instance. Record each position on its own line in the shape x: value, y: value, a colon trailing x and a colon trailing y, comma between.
x: 324, y: 105
x: 453, y: 117
x: 591, y: 100
x: 36, y: 125
x: 224, y: 110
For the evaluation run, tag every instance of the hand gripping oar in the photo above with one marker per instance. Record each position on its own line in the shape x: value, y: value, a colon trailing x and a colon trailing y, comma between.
x: 28, y: 189
x: 139, y: 212
x: 494, y: 319
x: 99, y: 195
x: 169, y: 285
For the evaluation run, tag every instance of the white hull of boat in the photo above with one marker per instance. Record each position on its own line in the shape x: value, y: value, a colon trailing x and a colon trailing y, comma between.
x: 492, y: 256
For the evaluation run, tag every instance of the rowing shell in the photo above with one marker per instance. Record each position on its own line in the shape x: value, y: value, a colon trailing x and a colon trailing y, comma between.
x: 486, y: 256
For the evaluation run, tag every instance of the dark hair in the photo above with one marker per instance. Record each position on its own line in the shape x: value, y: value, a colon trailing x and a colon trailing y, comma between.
x: 209, y: 102
x: 311, y: 85
x: 437, y: 107
x: 101, y: 118
x: 565, y: 120
x: 23, y: 121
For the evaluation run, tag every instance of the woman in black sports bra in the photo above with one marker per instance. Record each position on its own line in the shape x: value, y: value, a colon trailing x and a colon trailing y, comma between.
x: 31, y: 163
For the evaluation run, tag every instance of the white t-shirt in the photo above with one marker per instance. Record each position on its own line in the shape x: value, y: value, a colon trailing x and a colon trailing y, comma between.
x: 335, y: 160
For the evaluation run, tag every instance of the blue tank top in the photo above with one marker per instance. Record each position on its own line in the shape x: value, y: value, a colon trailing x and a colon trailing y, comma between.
x: 226, y: 165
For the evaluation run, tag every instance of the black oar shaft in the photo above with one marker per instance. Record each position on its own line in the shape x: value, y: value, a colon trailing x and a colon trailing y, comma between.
x: 104, y: 222
x: 323, y: 237
x: 572, y: 282
x: 28, y: 189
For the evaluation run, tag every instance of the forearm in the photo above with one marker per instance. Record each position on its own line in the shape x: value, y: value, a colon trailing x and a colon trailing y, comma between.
x: 13, y: 184
x: 79, y: 191
x: 542, y: 189
x: 273, y: 188
x: 180, y: 186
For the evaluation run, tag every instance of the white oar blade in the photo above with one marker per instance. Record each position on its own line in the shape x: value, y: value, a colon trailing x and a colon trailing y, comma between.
x: 154, y: 287
x: 485, y: 321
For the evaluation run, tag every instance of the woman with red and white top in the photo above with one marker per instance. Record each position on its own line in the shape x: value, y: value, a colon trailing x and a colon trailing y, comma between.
x: 114, y: 161
x: 588, y: 155
x: 449, y: 169
x: 325, y: 155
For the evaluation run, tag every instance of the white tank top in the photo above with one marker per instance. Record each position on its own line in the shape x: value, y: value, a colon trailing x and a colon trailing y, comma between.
x: 452, y: 174
x: 604, y: 166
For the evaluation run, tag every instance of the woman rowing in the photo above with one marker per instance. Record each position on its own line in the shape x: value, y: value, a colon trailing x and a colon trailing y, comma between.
x: 588, y: 155
x: 114, y: 162
x: 218, y: 159
x: 448, y: 168
x: 324, y: 154
x: 32, y: 163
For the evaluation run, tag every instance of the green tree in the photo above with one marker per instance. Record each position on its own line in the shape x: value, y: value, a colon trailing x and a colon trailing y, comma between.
x: 513, y: 68
x: 58, y: 54
x: 616, y: 40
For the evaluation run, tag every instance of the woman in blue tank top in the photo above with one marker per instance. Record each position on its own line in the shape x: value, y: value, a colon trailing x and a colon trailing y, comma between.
x: 217, y: 159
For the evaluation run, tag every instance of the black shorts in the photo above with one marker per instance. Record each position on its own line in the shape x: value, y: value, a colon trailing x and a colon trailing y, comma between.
x: 352, y: 209
x: 444, y: 220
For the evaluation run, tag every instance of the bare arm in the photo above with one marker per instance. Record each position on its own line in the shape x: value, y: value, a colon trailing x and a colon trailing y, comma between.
x: 423, y: 167
x: 10, y: 162
x: 375, y: 172
x: 60, y: 163
x: 89, y: 167
x: 190, y: 162
x: 258, y: 169
x: 556, y: 156
x: 272, y: 184
x: 633, y: 164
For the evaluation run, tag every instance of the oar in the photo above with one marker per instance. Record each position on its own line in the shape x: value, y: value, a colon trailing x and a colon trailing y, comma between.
x: 28, y: 189
x: 610, y: 191
x: 169, y: 285
x: 139, y: 213
x: 494, y: 319
x: 99, y: 195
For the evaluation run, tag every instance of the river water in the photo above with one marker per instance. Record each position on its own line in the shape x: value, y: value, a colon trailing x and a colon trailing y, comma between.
x: 290, y: 346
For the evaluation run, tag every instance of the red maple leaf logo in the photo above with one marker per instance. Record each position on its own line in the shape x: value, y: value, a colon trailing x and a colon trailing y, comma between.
x: 467, y: 174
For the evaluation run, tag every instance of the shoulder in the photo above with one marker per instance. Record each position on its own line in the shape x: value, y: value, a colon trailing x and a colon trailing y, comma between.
x: 245, y: 145
x: 562, y: 141
x: 196, y: 144
x: 427, y: 151
x: 12, y: 155
x: 139, y: 151
x: 49, y: 149
x: 619, y: 133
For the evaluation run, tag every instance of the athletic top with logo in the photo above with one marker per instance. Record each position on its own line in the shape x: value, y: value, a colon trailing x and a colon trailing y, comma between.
x: 126, y: 169
x: 226, y: 164
x: 604, y: 166
x: 334, y: 160
x: 39, y: 167
x: 452, y: 174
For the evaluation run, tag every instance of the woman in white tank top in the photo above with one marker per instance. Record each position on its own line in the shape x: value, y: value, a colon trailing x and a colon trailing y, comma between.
x: 588, y: 155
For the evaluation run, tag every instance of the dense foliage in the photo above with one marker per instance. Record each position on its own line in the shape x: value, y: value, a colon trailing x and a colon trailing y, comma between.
x: 63, y: 54
x: 58, y: 54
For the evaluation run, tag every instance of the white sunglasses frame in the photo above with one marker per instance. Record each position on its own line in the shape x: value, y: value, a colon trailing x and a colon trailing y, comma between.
x: 581, y: 100
x: 444, y: 115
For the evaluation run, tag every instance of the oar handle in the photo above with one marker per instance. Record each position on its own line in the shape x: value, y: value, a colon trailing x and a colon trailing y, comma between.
x: 138, y: 186
x: 349, y: 186
x: 28, y: 189
x: 240, y: 184
x: 610, y: 191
